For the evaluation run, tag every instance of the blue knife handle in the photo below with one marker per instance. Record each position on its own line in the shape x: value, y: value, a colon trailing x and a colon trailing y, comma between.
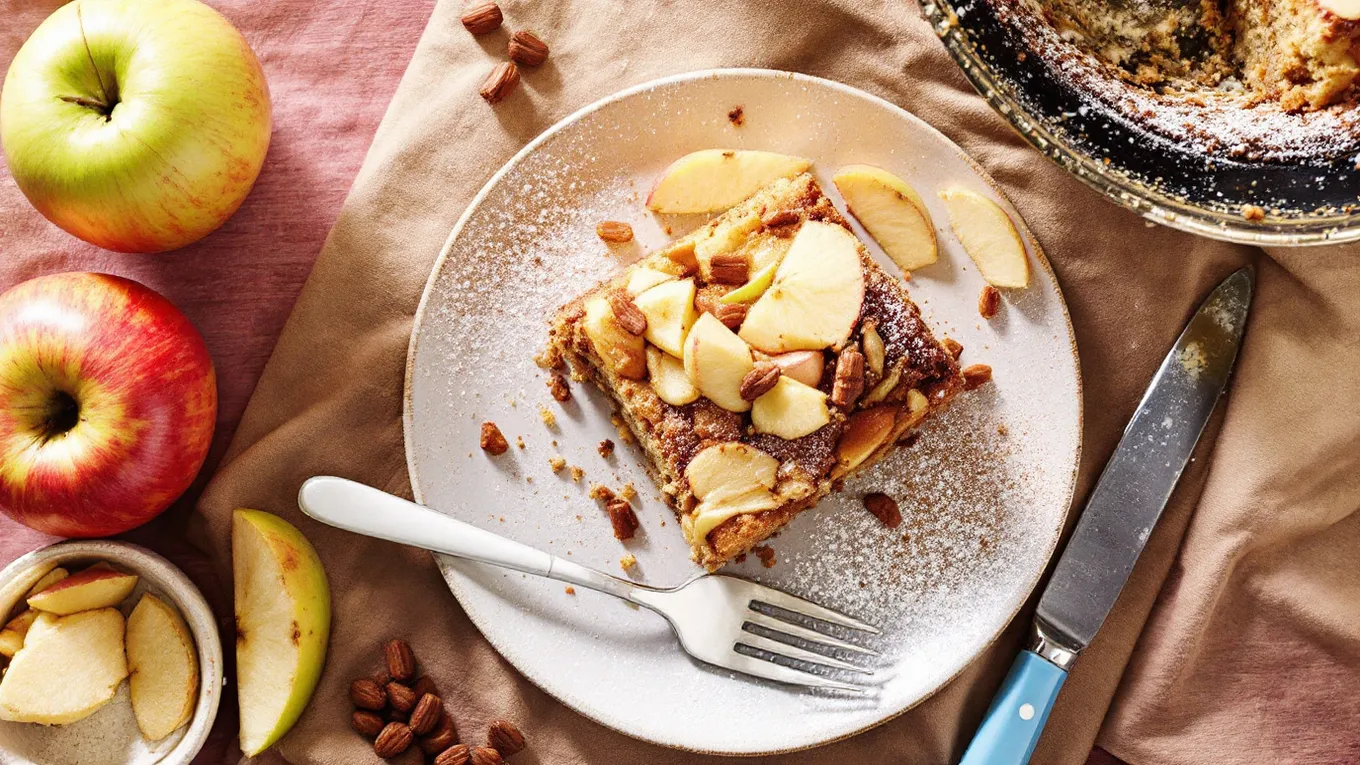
x: 1012, y: 725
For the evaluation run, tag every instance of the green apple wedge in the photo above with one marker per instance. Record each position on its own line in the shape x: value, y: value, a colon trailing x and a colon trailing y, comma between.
x: 283, y: 622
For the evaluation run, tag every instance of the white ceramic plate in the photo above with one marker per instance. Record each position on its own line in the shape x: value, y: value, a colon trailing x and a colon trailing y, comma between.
x: 983, y: 492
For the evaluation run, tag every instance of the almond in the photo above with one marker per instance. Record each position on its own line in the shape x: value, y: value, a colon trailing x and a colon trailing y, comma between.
x: 444, y: 735
x: 505, y: 738
x: 989, y: 301
x: 402, y: 698
x: 526, y: 49
x: 626, y: 312
x: 614, y: 232
x: 849, y: 382
x: 426, y: 714
x: 394, y: 739
x: 368, y: 724
x: 622, y: 518
x: 728, y: 268
x: 780, y: 218
x: 875, y: 353
x: 458, y: 754
x: 952, y: 347
x: 484, y: 755
x: 480, y: 18
x: 500, y: 83
x: 762, y: 377
x: 884, y: 509
x: 558, y: 387
x: 367, y: 694
x: 976, y: 376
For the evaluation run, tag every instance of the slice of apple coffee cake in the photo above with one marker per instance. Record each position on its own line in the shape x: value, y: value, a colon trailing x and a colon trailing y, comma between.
x: 758, y: 360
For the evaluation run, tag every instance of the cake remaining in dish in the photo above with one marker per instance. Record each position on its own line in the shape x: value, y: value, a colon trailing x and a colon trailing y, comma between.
x: 1299, y: 53
x: 758, y: 360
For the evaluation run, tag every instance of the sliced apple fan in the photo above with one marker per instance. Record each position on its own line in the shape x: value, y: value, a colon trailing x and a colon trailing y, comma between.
x: 752, y: 397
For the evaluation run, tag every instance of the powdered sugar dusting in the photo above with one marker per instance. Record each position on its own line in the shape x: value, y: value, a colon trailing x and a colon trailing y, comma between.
x: 983, y: 491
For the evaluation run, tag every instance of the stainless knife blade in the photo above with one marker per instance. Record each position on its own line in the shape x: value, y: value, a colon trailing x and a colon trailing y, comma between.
x: 1140, y: 476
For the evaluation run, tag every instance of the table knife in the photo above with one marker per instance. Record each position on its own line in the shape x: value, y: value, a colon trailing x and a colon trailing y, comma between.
x: 1117, y: 521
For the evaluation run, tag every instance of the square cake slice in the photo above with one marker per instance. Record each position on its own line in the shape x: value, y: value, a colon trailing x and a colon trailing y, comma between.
x: 759, y: 361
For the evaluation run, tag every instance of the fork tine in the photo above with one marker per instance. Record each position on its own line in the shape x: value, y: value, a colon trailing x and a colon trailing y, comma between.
x: 790, y: 651
x: 781, y: 599
x: 812, y: 636
x: 764, y: 668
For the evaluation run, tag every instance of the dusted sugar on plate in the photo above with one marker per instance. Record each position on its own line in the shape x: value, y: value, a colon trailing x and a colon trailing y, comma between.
x: 759, y: 361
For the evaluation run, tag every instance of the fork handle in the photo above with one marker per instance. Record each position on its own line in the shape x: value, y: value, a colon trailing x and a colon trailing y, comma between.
x: 352, y: 506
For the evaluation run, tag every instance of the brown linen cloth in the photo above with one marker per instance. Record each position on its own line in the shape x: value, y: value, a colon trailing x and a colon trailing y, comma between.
x: 1249, y: 649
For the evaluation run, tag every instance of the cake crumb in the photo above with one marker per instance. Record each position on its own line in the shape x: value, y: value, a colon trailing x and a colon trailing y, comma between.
x: 557, y: 386
x: 766, y: 555
x: 628, y: 561
x: 605, y: 448
x: 493, y: 441
x: 576, y: 473
x: 547, y: 416
x: 549, y: 358
x: 737, y: 117
x: 1002, y: 430
x: 519, y: 441
x: 628, y: 491
x: 1253, y: 212
x: 557, y: 463
x: 625, y: 435
x: 601, y: 492
x: 570, y: 590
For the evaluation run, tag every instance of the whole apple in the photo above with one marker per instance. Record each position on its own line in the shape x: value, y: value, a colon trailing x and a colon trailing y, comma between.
x: 136, y: 125
x: 107, y: 404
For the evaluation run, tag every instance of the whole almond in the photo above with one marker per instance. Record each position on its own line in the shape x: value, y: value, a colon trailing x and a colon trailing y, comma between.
x: 614, y: 232
x: 505, y: 738
x: 989, y: 301
x: 526, y: 49
x: 626, y: 312
x: 976, y: 375
x: 394, y: 739
x: 884, y: 509
x: 426, y: 714
x: 401, y: 698
x: 480, y: 18
x: 368, y: 724
x: 367, y: 694
x: 500, y: 82
x: 484, y: 755
x: 849, y: 378
x: 401, y: 662
x: 444, y: 735
x: 760, y: 380
x: 728, y: 268
x: 874, y: 351
x: 423, y: 686
x: 457, y: 754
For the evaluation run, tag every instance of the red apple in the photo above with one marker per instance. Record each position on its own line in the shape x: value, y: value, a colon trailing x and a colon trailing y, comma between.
x: 107, y: 404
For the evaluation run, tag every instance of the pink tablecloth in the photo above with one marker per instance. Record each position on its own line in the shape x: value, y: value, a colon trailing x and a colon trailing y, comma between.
x: 332, y: 66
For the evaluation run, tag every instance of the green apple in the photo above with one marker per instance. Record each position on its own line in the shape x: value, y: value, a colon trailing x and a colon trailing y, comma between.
x: 136, y: 125
x: 283, y: 622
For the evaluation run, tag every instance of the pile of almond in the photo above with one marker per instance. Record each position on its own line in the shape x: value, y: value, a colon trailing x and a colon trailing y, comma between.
x: 396, y: 709
x: 524, y: 49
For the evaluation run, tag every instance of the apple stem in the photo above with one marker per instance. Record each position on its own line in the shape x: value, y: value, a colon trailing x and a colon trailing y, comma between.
x: 89, y: 103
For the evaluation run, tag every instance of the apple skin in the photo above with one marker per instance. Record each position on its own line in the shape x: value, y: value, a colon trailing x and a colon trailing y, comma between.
x: 136, y: 125
x: 107, y: 404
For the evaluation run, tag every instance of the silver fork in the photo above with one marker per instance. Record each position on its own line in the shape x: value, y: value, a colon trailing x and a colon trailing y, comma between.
x: 722, y: 620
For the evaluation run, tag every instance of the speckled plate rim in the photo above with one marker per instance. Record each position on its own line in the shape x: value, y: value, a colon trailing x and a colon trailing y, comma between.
x: 170, y: 581
x: 408, y: 413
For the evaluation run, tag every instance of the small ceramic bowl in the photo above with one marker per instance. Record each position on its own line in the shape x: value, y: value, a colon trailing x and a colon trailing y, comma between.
x: 110, y: 735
